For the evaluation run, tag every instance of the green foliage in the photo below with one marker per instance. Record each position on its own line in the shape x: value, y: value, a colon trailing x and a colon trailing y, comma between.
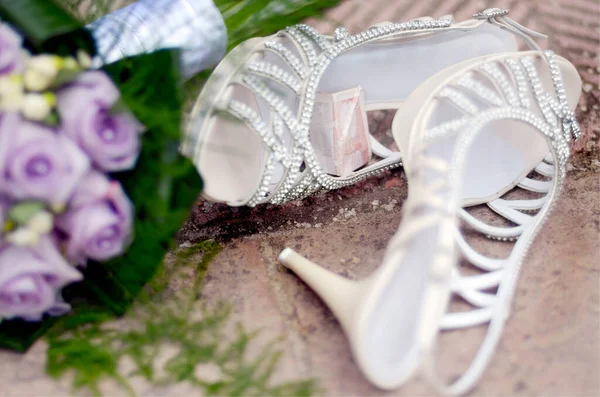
x: 163, y: 185
x: 47, y: 26
x: 89, y: 11
x: 159, y: 283
x: 251, y: 18
x: 196, y: 336
x: 24, y: 211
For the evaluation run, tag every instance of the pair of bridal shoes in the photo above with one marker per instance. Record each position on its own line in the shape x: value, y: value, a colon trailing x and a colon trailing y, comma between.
x: 477, y: 123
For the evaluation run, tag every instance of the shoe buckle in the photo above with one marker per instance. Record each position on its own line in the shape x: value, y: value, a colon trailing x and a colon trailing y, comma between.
x: 491, y: 13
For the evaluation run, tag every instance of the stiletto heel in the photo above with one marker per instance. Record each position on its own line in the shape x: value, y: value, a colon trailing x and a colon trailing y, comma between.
x: 339, y: 293
x: 365, y: 310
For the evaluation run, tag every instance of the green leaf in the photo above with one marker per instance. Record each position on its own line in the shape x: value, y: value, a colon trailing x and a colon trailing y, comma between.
x: 22, y: 212
x: 119, y: 107
x: 163, y: 186
x: 19, y: 334
x: 251, y: 18
x: 47, y: 27
x: 52, y: 120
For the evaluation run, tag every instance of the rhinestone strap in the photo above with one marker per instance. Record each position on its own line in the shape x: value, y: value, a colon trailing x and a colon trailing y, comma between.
x: 446, y: 128
x: 273, y: 100
x: 521, y: 79
x: 491, y: 13
x: 307, y: 47
x: 459, y: 99
x: 277, y: 126
x: 312, y: 33
x: 469, y: 83
x: 390, y: 30
x: 278, y: 152
x: 541, y: 98
x: 255, y: 122
x: 288, y: 56
x: 570, y: 124
x: 277, y: 74
x: 494, y: 73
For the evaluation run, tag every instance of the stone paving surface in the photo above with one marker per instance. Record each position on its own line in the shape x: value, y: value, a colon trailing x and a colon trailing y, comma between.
x: 551, y: 344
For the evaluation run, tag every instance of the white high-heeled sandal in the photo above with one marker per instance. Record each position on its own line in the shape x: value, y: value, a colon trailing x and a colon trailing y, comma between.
x: 249, y: 133
x: 469, y: 134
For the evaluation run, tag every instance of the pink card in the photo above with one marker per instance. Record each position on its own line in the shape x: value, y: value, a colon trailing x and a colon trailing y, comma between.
x: 339, y: 131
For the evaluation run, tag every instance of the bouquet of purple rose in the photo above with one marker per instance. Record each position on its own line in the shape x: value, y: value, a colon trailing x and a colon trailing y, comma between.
x: 92, y: 186
x: 60, y: 136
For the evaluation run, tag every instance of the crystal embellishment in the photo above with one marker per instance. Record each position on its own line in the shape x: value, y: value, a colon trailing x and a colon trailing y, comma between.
x: 491, y: 13
x: 340, y: 33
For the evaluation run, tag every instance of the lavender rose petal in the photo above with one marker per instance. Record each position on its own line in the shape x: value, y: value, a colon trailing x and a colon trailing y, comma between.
x: 98, y: 224
x: 30, y: 289
x: 85, y: 106
x: 11, y: 51
x: 38, y: 163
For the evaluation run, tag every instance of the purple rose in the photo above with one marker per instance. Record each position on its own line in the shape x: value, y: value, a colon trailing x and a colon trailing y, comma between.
x: 99, y: 220
x: 36, y: 162
x: 31, y: 280
x: 110, y: 139
x: 11, y: 52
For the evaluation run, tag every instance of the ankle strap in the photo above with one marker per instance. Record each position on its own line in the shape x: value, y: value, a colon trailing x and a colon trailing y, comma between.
x: 498, y: 17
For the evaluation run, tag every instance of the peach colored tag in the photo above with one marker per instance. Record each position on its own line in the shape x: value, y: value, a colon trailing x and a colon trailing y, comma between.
x: 339, y: 131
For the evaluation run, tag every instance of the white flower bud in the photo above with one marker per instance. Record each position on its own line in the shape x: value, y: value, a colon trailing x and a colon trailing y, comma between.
x: 36, y: 107
x: 85, y: 61
x: 23, y: 237
x: 35, y: 81
x: 41, y: 223
x: 45, y: 64
x: 11, y: 93
x: 41, y: 71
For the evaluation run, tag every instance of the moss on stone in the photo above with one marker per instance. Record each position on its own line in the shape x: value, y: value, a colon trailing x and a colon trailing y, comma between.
x: 93, y: 352
x: 184, y: 257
